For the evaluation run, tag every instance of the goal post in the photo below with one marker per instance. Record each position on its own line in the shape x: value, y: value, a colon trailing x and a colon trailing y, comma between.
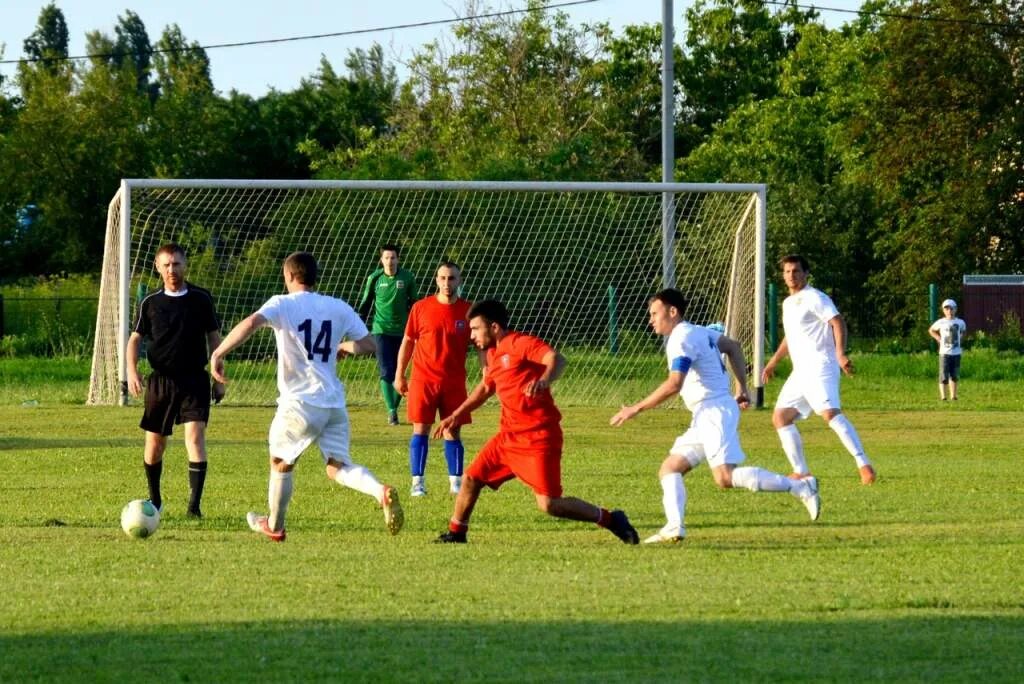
x: 574, y: 262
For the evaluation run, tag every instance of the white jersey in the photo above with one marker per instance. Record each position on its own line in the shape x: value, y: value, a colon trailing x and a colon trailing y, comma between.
x: 693, y: 350
x: 805, y: 317
x: 308, y: 327
x: 951, y: 331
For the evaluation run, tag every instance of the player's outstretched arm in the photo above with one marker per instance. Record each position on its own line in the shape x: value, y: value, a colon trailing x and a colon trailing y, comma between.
x: 769, y: 368
x: 364, y: 345
x: 481, y: 393
x: 239, y: 334
x: 669, y: 388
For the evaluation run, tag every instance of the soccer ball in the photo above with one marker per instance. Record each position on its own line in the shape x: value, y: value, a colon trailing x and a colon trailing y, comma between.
x: 139, y: 519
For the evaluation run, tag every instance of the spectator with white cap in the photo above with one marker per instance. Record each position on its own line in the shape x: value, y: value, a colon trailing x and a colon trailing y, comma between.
x: 948, y: 331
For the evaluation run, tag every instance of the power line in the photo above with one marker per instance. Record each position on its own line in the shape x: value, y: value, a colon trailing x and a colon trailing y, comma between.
x: 292, y: 39
x: 898, y: 15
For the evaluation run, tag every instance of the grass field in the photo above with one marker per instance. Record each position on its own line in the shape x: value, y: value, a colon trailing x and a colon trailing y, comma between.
x: 916, y: 578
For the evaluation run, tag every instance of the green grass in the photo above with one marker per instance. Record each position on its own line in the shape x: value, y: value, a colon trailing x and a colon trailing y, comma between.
x: 915, y: 578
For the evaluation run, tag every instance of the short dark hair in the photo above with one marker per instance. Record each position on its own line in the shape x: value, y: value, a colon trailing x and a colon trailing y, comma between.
x: 796, y: 259
x: 672, y: 297
x: 303, y: 266
x: 391, y: 247
x: 169, y: 248
x: 491, y: 310
x: 448, y: 264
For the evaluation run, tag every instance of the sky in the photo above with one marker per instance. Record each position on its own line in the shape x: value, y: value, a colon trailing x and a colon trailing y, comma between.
x: 256, y: 69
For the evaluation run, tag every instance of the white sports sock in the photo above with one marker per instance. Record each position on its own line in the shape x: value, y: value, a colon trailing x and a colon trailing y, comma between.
x: 674, y: 499
x: 357, y: 477
x: 794, y: 448
x: 278, y: 496
x: 760, y: 480
x: 842, y: 426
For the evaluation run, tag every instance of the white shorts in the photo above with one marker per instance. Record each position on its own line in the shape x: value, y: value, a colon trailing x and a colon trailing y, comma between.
x: 807, y: 392
x: 712, y: 435
x: 296, y: 425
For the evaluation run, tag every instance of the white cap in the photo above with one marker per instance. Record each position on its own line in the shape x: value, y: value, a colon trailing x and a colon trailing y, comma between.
x: 950, y: 303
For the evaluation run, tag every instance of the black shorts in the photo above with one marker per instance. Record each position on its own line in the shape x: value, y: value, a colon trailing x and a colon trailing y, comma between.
x: 387, y: 355
x: 949, y: 368
x: 173, y: 400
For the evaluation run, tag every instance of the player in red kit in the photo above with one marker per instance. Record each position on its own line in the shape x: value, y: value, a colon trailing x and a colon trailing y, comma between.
x: 436, y: 339
x: 520, y: 369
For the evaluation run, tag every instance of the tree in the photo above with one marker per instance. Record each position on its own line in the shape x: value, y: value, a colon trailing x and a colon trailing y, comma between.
x: 48, y: 44
x: 133, y: 47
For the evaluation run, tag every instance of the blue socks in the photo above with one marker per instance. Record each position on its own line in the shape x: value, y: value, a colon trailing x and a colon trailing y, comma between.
x: 453, y: 454
x: 418, y: 454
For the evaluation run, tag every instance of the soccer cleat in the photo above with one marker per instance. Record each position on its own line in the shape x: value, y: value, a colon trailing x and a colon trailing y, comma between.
x: 393, y: 418
x: 666, y: 535
x: 867, y: 475
x: 418, y: 489
x: 394, y: 517
x: 194, y: 513
x: 621, y: 528
x: 259, y: 523
x: 807, y: 491
x: 449, y: 537
x: 454, y: 484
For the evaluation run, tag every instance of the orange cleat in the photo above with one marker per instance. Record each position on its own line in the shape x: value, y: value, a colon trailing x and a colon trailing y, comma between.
x: 867, y: 475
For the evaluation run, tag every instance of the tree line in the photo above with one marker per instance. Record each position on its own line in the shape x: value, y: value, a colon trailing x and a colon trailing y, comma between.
x: 892, y: 146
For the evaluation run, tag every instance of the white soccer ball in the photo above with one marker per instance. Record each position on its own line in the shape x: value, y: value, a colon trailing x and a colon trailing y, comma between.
x: 139, y: 519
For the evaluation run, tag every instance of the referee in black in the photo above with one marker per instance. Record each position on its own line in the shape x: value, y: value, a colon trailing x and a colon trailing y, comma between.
x: 181, y: 327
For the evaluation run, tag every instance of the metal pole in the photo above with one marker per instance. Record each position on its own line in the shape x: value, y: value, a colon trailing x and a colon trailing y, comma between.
x: 668, y: 139
x: 933, y: 308
x: 759, y: 288
x: 123, y: 293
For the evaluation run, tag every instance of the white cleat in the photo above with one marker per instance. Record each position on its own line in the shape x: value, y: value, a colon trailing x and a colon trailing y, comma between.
x: 455, y: 484
x: 807, y: 491
x: 418, y: 489
x: 667, y: 535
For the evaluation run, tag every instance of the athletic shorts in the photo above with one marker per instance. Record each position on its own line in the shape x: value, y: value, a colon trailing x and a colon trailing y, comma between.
x: 426, y: 400
x: 296, y: 425
x: 949, y: 368
x: 387, y: 355
x: 712, y: 436
x: 807, y: 393
x: 173, y: 400
x: 535, y: 457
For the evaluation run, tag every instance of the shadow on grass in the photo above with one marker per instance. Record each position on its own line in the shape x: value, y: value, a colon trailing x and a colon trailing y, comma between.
x: 920, y: 648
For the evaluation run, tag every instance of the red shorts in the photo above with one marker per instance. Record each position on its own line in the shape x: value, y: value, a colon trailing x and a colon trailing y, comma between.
x: 534, y: 457
x: 426, y: 399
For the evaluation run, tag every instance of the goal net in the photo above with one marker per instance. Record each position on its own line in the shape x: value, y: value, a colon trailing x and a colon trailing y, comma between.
x: 574, y: 262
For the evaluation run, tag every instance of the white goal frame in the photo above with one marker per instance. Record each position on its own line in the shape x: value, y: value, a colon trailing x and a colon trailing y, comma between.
x: 117, y: 271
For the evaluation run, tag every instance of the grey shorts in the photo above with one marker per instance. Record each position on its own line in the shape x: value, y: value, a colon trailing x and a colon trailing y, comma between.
x: 949, y: 368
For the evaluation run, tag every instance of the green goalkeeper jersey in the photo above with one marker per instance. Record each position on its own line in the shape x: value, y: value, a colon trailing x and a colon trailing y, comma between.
x: 390, y: 297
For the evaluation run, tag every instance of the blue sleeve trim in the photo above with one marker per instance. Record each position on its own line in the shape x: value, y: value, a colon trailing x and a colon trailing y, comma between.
x: 681, y: 364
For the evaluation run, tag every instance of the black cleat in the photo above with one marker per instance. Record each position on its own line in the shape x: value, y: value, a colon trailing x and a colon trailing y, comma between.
x: 194, y: 513
x: 450, y: 537
x: 621, y: 528
x: 393, y: 418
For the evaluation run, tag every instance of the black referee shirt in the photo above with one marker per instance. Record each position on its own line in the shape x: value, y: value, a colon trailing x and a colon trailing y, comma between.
x: 176, y: 329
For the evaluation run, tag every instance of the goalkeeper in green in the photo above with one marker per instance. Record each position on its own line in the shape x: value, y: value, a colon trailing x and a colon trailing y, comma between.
x: 390, y: 292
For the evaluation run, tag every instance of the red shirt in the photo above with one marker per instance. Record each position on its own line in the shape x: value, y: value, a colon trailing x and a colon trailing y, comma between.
x: 512, y: 364
x: 441, y: 333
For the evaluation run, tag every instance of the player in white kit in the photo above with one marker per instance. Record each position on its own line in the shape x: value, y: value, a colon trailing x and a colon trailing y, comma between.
x: 697, y: 374
x: 311, y: 331
x: 815, y: 340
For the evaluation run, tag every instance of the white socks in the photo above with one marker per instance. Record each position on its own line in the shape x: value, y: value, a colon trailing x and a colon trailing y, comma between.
x: 760, y: 480
x: 278, y: 496
x: 357, y: 477
x: 673, y: 499
x: 794, y: 448
x: 848, y: 436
